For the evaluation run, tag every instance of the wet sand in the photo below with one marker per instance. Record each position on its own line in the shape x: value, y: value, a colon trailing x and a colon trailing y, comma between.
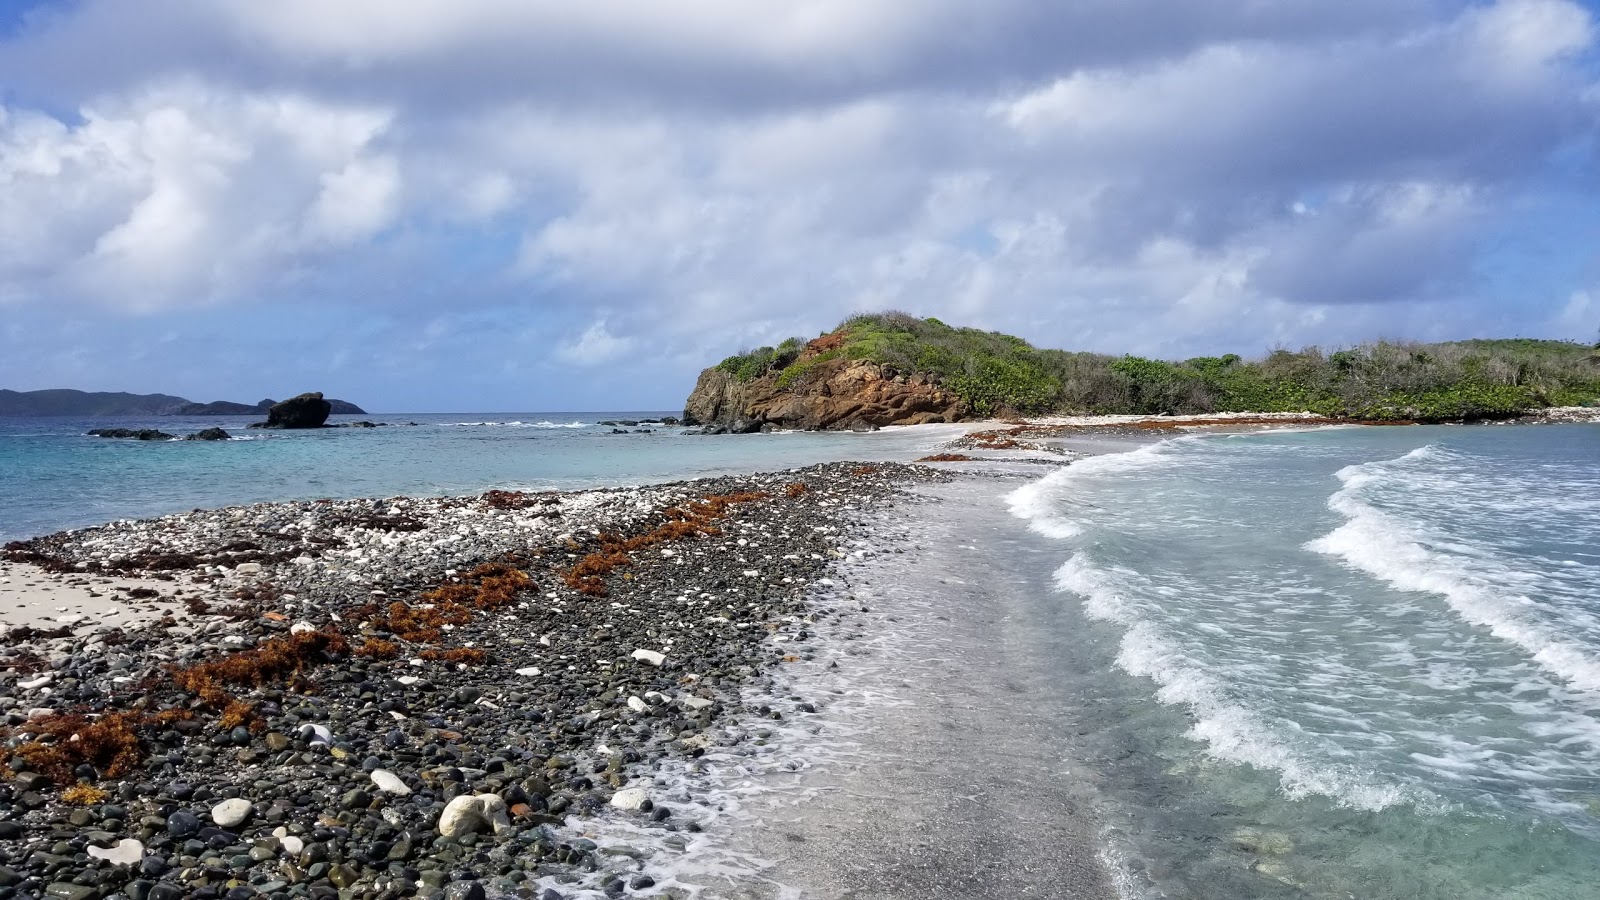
x: 959, y: 782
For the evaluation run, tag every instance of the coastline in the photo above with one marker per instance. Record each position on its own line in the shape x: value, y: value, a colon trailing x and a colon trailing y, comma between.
x: 729, y: 782
x: 556, y: 700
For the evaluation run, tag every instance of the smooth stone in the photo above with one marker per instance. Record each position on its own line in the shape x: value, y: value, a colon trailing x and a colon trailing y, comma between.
x: 182, y: 824
x: 343, y: 875
x: 231, y: 813
x: 389, y: 783
x: 63, y: 890
x: 127, y: 852
x: 637, y: 705
x: 471, y: 813
x: 649, y: 657
x: 316, y: 734
x: 631, y: 799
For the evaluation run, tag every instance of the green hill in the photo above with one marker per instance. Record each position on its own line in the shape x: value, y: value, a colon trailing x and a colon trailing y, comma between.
x: 998, y: 374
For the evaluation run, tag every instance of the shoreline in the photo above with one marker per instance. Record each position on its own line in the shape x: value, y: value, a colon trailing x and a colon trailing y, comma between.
x: 405, y: 548
x: 554, y: 700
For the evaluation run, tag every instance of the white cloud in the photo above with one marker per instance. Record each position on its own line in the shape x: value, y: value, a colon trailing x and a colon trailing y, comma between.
x: 179, y: 194
x: 1131, y: 175
x: 595, y: 346
x: 356, y: 201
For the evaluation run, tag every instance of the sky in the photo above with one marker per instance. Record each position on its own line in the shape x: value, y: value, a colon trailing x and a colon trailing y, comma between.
x: 521, y: 205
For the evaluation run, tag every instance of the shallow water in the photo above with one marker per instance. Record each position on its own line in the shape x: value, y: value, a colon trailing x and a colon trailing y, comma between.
x: 1382, y: 644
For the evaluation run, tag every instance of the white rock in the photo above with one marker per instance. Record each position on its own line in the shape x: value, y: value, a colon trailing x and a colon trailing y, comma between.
x: 231, y: 813
x: 39, y: 682
x: 304, y: 561
x: 696, y: 702
x: 127, y: 852
x: 649, y: 657
x: 631, y: 799
x: 474, y: 812
x: 247, y: 569
x: 316, y: 734
x: 637, y: 705
x: 302, y: 628
x: 389, y: 782
x: 291, y: 845
x: 408, y: 680
x: 529, y: 671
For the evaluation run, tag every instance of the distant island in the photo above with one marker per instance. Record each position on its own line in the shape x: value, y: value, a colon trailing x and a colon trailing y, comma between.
x: 66, y: 402
x: 896, y: 369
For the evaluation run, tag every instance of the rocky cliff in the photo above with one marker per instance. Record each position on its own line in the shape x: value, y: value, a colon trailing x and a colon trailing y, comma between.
x: 820, y: 391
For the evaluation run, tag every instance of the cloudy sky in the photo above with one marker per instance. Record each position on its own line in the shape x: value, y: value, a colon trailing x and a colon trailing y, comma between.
x: 526, y: 205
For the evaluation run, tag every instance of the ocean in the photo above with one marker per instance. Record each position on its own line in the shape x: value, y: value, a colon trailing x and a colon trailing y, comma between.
x: 1335, y: 663
x: 53, y: 476
x: 1377, y: 651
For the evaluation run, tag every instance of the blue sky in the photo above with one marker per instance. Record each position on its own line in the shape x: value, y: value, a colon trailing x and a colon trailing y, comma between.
x: 476, y: 205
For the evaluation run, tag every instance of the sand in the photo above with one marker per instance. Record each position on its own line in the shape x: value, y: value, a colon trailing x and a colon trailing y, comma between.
x: 30, y: 596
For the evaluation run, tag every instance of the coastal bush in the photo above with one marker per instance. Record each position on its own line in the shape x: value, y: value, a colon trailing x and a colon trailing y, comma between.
x: 999, y: 374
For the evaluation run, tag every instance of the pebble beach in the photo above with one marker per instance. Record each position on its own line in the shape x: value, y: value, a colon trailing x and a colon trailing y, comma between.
x: 400, y: 697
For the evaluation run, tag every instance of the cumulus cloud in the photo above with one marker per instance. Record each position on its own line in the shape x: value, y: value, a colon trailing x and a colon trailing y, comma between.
x: 699, y: 175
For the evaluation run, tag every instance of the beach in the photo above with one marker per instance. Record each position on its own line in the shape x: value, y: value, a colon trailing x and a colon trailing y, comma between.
x: 343, y: 670
x: 867, y: 679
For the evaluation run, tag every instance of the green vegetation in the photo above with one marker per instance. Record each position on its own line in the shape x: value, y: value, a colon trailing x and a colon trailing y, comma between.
x: 998, y: 374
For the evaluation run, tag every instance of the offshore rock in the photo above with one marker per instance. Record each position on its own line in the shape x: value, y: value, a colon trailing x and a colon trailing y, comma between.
x: 208, y: 434
x: 138, y: 434
x: 304, y: 411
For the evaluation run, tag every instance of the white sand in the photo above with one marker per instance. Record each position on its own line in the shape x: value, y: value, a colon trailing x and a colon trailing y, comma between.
x: 31, y: 596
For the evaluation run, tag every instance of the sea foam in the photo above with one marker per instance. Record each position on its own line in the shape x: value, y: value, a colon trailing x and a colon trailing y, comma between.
x: 1410, y: 556
x: 1043, y: 503
x: 1231, y: 730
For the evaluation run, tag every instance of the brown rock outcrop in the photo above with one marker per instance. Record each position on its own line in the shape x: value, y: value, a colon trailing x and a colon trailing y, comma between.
x: 833, y: 394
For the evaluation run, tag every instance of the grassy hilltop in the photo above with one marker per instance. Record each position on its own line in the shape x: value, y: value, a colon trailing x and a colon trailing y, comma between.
x: 998, y: 373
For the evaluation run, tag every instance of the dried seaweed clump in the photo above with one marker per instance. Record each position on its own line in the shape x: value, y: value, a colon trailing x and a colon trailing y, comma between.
x: 488, y: 587
x: 110, y: 743
x: 863, y: 471
x: 84, y: 795
x: 377, y: 648
x: 498, y: 499
x: 946, y: 457
x: 470, y: 656
x: 276, y: 660
x: 796, y: 490
x: 588, y: 575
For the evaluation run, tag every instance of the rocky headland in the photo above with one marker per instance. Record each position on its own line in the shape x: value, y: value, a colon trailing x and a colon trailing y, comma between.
x: 406, y: 697
x: 838, y: 394
x: 896, y: 369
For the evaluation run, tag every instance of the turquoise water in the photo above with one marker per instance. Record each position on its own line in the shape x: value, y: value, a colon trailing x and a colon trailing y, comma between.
x: 53, y: 477
x: 1356, y: 663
